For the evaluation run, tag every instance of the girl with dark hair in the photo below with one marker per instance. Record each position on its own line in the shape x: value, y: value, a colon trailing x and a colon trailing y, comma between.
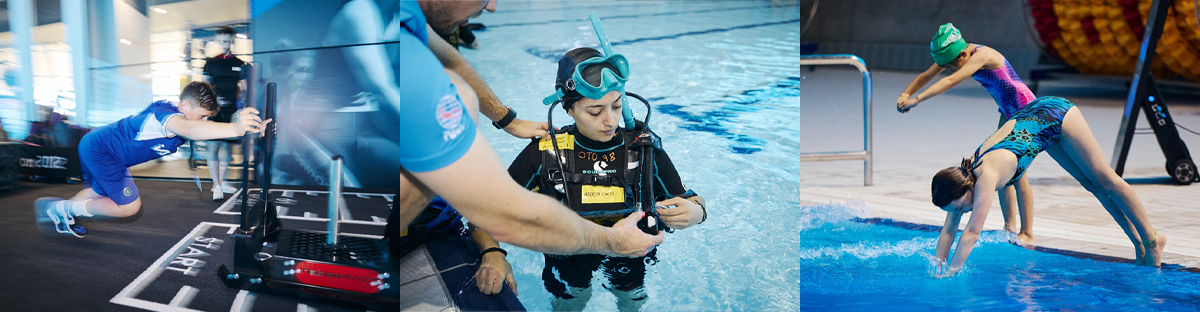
x: 1050, y: 124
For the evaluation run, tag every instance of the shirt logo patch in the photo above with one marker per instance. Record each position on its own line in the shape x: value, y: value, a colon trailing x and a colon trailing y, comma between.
x: 128, y: 191
x: 161, y: 149
x: 449, y: 114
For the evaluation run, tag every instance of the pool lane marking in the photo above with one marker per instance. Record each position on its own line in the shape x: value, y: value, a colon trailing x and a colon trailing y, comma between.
x: 506, y: 11
x: 184, y: 297
x: 128, y: 295
x: 555, y: 54
x: 243, y: 302
x: 612, y: 17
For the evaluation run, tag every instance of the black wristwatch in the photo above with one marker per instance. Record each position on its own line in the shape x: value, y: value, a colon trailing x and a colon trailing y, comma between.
x: 508, y: 118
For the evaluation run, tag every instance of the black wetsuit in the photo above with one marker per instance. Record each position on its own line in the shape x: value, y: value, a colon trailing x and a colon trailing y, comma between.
x: 623, y: 273
x: 225, y: 71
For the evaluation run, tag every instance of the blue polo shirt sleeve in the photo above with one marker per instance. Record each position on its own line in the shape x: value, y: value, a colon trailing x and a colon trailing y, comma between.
x: 436, y: 128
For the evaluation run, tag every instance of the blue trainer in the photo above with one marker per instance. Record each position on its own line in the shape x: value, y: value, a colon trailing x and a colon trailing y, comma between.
x: 52, y: 217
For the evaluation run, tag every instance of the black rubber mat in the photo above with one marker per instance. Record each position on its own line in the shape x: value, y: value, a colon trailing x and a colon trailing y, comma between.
x: 167, y: 260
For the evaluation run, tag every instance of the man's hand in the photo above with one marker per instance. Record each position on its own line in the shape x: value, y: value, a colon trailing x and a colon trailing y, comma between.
x: 247, y: 120
x: 629, y: 241
x: 493, y: 273
x: 526, y: 129
x: 684, y: 214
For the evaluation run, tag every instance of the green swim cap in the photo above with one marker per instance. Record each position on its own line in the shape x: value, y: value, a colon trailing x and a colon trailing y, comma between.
x: 946, y: 44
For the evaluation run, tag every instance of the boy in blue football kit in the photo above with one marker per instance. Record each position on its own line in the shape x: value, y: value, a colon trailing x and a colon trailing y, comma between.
x: 106, y: 153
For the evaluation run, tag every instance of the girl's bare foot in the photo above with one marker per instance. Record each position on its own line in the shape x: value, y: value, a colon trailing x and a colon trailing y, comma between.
x: 1154, y: 256
x: 1025, y: 240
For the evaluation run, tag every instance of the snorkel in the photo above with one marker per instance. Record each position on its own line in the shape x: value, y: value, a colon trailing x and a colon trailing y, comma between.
x: 626, y: 112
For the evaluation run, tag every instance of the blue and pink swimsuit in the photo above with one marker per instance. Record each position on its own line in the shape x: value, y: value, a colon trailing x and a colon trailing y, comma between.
x: 1006, y: 87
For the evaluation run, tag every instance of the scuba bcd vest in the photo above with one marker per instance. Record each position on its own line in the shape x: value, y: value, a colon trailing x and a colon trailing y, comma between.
x: 599, y: 183
x: 594, y: 193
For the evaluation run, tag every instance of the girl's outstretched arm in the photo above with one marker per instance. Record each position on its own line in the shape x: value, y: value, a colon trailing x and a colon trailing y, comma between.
x: 921, y: 80
x: 949, y: 228
x: 985, y: 190
x: 973, y: 64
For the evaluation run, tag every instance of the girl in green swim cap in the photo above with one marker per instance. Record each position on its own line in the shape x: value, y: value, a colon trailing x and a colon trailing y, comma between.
x: 992, y: 70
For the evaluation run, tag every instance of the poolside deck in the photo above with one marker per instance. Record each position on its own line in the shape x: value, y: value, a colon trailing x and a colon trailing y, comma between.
x: 910, y: 148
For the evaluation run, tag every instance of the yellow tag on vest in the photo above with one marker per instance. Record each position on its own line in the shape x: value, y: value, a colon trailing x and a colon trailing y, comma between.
x: 596, y: 194
x: 565, y: 141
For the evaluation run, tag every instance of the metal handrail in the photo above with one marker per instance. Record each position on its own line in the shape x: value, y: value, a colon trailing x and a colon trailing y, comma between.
x: 865, y: 154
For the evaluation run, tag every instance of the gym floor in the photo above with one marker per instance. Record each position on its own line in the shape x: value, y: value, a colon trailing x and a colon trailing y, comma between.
x: 175, y: 249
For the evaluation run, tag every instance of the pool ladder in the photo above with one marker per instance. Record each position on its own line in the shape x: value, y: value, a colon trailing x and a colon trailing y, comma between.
x: 865, y: 154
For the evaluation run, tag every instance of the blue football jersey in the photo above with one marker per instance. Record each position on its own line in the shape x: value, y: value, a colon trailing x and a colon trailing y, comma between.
x: 142, y: 137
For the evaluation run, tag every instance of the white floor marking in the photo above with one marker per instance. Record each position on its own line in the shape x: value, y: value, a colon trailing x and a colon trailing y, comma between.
x: 184, y: 297
x: 128, y: 295
x: 243, y: 302
x: 344, y: 210
x: 378, y: 221
x: 229, y: 208
x: 304, y: 308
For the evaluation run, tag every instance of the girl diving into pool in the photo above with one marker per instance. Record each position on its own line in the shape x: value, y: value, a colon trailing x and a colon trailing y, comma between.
x: 993, y: 71
x: 1050, y: 124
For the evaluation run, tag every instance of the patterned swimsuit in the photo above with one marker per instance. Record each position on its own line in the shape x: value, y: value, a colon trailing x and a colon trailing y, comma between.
x: 1006, y: 88
x: 1038, y: 125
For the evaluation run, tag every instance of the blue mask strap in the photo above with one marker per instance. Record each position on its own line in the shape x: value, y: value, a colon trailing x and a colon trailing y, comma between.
x: 558, y: 94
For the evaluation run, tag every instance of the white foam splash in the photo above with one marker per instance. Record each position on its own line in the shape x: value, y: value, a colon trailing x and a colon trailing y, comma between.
x: 821, y: 214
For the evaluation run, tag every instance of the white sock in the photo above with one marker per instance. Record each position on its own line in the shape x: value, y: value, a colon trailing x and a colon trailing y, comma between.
x: 78, y: 208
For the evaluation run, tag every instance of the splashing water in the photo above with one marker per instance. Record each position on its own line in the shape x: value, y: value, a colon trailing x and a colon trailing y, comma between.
x: 850, y: 263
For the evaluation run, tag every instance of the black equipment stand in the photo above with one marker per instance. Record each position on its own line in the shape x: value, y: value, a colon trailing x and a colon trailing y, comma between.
x: 350, y: 271
x: 1144, y: 94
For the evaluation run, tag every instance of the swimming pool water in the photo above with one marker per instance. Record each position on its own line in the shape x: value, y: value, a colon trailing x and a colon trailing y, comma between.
x: 723, y: 79
x: 849, y: 264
